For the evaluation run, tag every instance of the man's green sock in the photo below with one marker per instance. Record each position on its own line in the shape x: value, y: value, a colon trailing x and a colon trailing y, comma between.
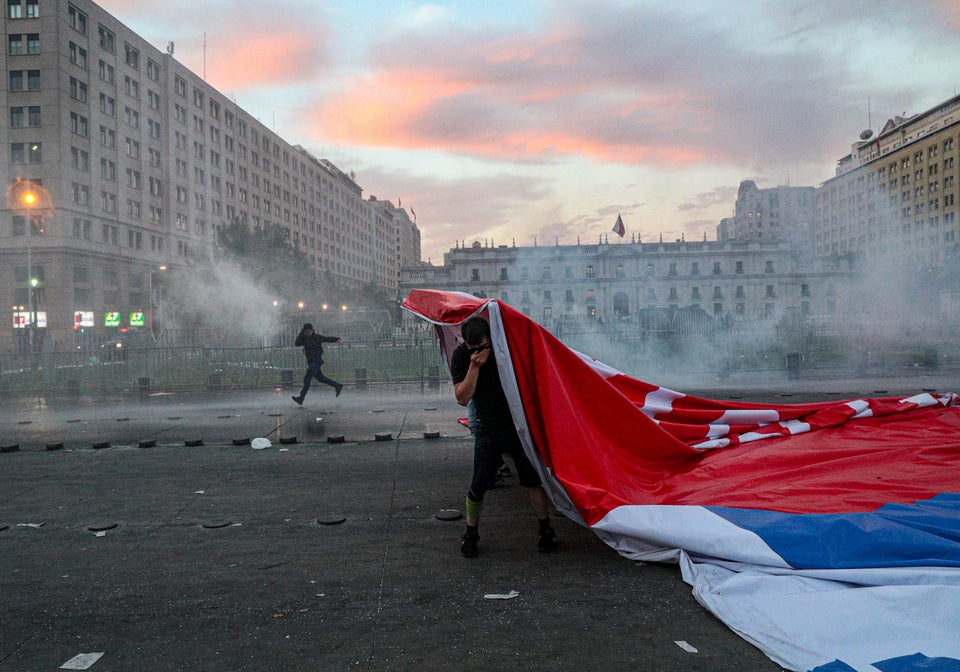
x: 473, y: 508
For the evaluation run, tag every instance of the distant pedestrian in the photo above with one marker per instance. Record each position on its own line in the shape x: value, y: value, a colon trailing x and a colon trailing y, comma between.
x: 473, y: 367
x: 312, y: 343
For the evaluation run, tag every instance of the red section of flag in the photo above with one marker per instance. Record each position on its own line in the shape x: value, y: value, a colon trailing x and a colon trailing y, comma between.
x: 612, y: 440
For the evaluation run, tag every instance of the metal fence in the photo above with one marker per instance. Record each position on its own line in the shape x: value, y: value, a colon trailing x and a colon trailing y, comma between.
x: 651, y: 355
x: 145, y: 369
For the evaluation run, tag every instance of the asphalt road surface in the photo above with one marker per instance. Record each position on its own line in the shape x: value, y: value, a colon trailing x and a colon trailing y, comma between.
x: 151, y: 530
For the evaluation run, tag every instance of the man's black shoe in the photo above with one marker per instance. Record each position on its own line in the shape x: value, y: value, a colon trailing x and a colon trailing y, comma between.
x: 339, y: 388
x: 547, y: 541
x: 469, y: 544
x: 299, y: 400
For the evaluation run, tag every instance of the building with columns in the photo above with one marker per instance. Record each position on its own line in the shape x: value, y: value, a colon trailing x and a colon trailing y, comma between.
x: 735, y: 280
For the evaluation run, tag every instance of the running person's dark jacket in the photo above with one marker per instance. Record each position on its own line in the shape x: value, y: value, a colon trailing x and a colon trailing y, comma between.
x: 313, y: 345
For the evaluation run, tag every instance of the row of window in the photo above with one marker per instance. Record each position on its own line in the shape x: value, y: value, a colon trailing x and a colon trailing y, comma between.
x: 23, y: 9
x: 24, y: 43
x: 83, y: 228
x: 740, y: 309
x: 620, y: 272
x: 673, y: 294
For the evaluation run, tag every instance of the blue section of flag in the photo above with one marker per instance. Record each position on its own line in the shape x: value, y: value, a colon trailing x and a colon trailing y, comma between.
x: 925, y: 533
x: 918, y: 663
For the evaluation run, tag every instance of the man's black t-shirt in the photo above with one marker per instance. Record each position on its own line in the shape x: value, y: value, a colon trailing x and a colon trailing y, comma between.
x: 493, y: 412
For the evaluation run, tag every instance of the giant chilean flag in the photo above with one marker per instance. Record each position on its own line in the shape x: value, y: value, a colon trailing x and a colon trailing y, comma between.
x: 826, y: 534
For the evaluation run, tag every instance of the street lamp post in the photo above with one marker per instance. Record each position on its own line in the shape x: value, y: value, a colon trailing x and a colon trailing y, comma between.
x: 151, y: 302
x: 34, y: 202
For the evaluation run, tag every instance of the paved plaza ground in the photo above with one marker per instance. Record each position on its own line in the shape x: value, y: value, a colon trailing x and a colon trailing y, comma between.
x: 149, y: 529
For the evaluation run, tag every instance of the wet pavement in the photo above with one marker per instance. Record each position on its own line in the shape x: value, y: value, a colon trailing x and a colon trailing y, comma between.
x: 151, y: 530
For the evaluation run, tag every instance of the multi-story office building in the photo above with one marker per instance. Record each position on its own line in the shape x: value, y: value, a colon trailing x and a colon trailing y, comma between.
x: 734, y: 280
x: 780, y: 212
x: 141, y: 162
x: 895, y: 195
x: 396, y: 241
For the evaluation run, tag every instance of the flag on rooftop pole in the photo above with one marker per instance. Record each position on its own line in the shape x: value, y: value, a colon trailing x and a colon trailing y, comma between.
x: 619, y: 228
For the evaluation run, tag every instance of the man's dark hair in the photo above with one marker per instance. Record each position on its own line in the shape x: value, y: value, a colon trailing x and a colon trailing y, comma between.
x: 474, y: 329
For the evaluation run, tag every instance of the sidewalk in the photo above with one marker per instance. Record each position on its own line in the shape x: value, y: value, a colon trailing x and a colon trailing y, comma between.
x: 223, y: 557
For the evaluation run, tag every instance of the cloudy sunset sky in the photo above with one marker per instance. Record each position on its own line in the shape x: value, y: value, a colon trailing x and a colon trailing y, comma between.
x: 510, y: 121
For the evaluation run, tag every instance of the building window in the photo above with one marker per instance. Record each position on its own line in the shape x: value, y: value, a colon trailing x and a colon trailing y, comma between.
x: 132, y: 87
x: 108, y: 137
x: 78, y: 55
x: 107, y: 72
x: 108, y: 105
x: 768, y: 268
x: 131, y: 56
x: 80, y: 159
x: 108, y: 202
x: 82, y: 228
x: 739, y: 268
x: 77, y: 19
x: 716, y: 268
x: 107, y: 40
x: 79, y: 125
x: 153, y: 70
x: 81, y: 194
x: 78, y: 90
x: 132, y: 148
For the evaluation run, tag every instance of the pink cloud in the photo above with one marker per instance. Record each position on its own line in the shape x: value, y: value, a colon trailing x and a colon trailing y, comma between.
x: 246, y: 46
x: 259, y: 58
